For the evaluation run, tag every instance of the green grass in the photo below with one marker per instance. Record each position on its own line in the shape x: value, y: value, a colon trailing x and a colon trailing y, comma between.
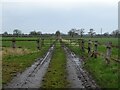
x: 56, y: 74
x: 14, y: 63
x: 101, y: 40
x: 31, y: 45
x: 106, y: 76
x: 20, y: 38
x: 11, y: 65
x: 105, y: 40
x: 101, y: 48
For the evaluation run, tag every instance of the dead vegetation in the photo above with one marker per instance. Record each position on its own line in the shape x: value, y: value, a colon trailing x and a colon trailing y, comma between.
x: 11, y: 51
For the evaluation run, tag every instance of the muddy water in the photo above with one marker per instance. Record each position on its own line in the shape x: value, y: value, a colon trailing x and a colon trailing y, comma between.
x: 33, y: 76
x: 77, y: 76
x: 73, y: 79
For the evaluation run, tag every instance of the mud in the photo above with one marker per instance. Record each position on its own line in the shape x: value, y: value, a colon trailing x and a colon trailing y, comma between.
x: 33, y: 76
x: 77, y: 75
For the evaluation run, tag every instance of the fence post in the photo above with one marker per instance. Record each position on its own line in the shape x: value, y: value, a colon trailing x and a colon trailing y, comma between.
x: 95, y: 49
x: 38, y: 44
x: 82, y: 45
x: 13, y: 43
x: 89, y: 47
x: 108, y: 52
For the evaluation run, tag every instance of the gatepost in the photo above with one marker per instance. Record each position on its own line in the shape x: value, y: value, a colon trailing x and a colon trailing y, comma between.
x: 108, y: 52
x: 89, y: 47
x: 38, y: 44
x: 95, y: 49
x: 82, y: 45
x: 13, y: 43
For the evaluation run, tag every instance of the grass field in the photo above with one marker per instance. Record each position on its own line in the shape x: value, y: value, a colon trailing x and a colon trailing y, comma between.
x: 18, y: 63
x: 102, y: 40
x: 18, y: 59
x: 56, y: 74
x: 105, y: 75
x: 31, y: 45
x: 101, y: 46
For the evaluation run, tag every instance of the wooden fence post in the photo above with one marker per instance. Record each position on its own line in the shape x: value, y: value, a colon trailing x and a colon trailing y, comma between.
x: 82, y: 45
x: 13, y: 43
x: 95, y: 49
x: 89, y: 47
x: 38, y: 44
x: 108, y: 52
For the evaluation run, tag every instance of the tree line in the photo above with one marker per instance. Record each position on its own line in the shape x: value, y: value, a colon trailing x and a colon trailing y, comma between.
x: 91, y: 33
x: 73, y: 32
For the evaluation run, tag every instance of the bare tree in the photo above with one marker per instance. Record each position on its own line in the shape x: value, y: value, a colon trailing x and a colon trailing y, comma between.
x: 91, y: 32
x: 115, y: 33
x: 72, y: 32
x: 81, y: 32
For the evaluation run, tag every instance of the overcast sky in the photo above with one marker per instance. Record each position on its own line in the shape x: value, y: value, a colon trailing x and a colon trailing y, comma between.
x: 48, y: 16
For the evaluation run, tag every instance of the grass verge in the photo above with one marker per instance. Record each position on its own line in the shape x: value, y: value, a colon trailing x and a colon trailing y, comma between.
x: 106, y: 76
x: 11, y: 65
x: 56, y: 74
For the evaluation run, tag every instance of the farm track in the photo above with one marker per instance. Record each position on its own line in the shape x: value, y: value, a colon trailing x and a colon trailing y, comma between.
x: 33, y: 76
x: 81, y: 79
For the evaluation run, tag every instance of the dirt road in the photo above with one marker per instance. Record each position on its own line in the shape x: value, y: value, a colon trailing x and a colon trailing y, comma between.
x: 77, y: 75
x: 32, y: 77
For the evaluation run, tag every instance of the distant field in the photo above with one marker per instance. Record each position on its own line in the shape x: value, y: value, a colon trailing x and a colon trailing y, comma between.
x: 100, y: 40
x: 25, y: 44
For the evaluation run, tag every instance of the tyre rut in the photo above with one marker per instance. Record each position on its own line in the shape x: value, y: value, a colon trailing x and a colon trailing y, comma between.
x: 32, y: 77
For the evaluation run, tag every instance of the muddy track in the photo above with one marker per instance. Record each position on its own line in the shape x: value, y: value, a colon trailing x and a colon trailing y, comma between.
x: 32, y: 77
x: 85, y: 80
